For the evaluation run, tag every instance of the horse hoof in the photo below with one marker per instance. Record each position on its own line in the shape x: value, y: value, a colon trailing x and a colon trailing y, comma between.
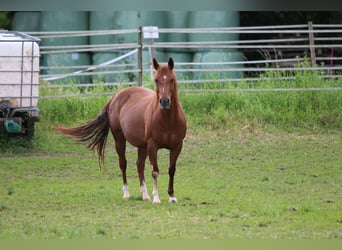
x: 126, y: 197
x: 147, y: 198
x: 173, y: 200
x: 156, y: 201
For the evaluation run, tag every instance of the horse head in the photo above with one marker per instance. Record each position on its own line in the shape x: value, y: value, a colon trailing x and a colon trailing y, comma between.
x: 166, y: 83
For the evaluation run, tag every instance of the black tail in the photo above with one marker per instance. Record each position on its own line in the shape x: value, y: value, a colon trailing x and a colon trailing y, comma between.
x: 94, y: 133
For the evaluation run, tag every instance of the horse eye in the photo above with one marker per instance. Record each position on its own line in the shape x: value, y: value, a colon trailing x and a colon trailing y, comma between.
x: 156, y: 81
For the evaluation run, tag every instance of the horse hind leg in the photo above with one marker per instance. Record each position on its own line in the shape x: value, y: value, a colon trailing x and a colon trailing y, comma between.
x: 120, y: 146
x: 142, y: 154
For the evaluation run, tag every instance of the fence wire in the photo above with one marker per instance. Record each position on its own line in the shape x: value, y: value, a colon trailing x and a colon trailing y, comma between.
x: 280, y: 48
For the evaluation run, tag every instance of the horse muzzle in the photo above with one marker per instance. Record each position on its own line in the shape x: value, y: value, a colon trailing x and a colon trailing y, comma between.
x: 165, y: 103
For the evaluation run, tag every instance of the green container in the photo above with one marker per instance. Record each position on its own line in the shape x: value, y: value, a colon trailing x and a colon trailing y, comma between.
x: 177, y: 19
x: 109, y: 20
x: 214, y: 57
x: 66, y: 21
x: 213, y: 19
x: 12, y: 126
x: 103, y: 20
x: 26, y: 21
x: 126, y: 20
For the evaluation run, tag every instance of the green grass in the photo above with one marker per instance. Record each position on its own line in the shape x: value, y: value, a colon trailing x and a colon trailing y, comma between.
x: 246, y: 183
x: 254, y: 165
x: 287, y: 110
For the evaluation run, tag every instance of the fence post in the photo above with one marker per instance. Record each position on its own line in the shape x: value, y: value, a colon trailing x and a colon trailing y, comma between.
x: 140, y: 67
x: 312, y: 44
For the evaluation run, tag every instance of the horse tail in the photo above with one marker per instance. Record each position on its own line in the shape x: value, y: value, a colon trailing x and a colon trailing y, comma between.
x: 94, y: 133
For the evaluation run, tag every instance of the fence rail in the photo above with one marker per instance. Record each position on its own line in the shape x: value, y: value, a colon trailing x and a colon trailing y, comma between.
x: 264, y: 49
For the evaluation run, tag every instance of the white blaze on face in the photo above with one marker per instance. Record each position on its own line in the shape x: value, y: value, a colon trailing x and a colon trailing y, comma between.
x: 164, y: 77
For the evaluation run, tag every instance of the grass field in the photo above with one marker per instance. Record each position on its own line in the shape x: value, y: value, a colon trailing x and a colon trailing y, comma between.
x: 246, y: 183
x: 254, y: 165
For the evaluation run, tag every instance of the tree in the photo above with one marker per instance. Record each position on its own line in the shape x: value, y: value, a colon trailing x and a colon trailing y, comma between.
x: 5, y: 20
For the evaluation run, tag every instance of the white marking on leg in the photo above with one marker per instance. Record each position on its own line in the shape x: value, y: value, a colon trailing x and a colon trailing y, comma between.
x: 144, y: 193
x: 125, y: 191
x: 156, y: 199
x: 172, y: 199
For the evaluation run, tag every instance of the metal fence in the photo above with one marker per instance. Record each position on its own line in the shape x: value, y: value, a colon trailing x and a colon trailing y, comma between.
x: 282, y: 48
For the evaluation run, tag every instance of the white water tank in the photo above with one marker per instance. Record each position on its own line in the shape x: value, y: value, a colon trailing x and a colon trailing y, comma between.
x: 19, y: 69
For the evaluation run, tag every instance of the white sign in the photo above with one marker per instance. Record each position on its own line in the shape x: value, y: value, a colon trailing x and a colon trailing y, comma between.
x: 150, y: 32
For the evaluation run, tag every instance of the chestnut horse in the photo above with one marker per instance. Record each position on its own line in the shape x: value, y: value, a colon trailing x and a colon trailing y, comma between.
x: 149, y: 120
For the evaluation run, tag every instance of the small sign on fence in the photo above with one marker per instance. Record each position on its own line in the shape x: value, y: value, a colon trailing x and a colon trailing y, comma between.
x: 151, y: 32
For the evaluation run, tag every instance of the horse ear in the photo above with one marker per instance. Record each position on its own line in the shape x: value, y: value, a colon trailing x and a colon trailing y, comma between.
x: 155, y: 63
x: 170, y: 63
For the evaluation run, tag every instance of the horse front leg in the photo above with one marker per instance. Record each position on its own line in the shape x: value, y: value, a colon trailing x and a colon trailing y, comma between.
x: 142, y: 154
x: 152, y: 153
x: 172, y: 170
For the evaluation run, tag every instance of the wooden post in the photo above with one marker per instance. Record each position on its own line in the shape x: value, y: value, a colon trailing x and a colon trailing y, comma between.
x: 312, y: 44
x: 152, y: 50
x: 152, y: 55
x: 151, y: 32
x: 140, y: 66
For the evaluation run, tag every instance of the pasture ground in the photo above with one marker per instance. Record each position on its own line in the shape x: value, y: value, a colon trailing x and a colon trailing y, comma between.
x: 245, y: 182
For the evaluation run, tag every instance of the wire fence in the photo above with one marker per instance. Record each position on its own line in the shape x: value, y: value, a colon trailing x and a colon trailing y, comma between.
x: 230, y: 54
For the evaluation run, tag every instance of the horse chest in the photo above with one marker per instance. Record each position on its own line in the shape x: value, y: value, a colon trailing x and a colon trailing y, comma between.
x: 167, y: 129
x: 166, y: 139
x: 168, y: 136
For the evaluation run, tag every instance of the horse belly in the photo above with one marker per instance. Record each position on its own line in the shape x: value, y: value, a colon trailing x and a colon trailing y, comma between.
x: 128, y: 111
x: 133, y: 127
